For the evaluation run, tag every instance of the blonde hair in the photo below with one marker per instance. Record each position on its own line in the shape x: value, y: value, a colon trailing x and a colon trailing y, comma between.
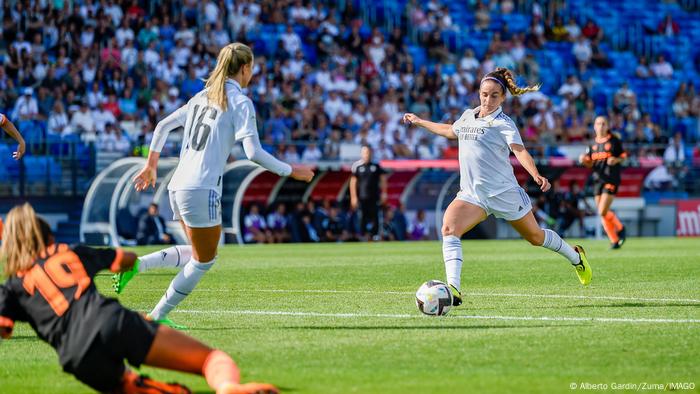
x: 507, y: 80
x: 231, y: 59
x: 22, y: 239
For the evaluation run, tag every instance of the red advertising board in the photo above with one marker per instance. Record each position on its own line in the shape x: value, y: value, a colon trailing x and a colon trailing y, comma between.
x: 688, y: 218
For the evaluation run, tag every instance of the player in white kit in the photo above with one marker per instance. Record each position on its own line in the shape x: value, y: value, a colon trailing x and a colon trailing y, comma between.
x: 213, y: 120
x: 487, y: 182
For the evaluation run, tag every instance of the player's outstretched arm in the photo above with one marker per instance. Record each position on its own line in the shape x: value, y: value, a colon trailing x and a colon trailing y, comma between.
x: 442, y: 129
x: 528, y: 162
x: 147, y: 176
x: 255, y: 153
x: 10, y: 129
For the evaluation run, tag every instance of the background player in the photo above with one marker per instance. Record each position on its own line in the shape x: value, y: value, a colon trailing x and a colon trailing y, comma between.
x: 51, y: 287
x: 213, y: 120
x: 487, y: 183
x: 605, y: 156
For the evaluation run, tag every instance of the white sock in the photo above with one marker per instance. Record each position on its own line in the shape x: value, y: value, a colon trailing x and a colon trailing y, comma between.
x: 452, y: 255
x: 174, y: 256
x: 181, y: 286
x: 553, y: 242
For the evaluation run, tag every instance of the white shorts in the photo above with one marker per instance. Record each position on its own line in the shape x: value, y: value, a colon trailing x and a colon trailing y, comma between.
x: 512, y: 204
x: 197, y: 208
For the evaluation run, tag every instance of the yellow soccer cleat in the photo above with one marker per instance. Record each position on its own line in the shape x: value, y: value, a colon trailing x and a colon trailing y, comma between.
x: 583, y: 269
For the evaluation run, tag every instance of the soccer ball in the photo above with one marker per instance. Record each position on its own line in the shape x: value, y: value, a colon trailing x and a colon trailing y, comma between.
x: 434, y: 298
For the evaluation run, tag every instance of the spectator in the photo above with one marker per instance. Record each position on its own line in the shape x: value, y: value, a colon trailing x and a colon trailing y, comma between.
x: 254, y: 227
x: 572, y: 30
x: 583, y: 52
x: 437, y: 49
x: 311, y: 154
x: 571, y: 86
x: 399, y: 224
x: 642, y: 70
x: 58, y: 121
x: 668, y: 27
x: 570, y: 210
x: 151, y: 229
x: 291, y: 155
x: 592, y: 31
x: 26, y: 107
x: 681, y: 104
x: 482, y: 16
x: 101, y: 118
x: 659, y: 179
x: 675, y: 152
x: 83, y: 123
x: 290, y: 41
x: 335, y: 226
x: 121, y: 142
x: 598, y: 56
x: 662, y: 68
x: 418, y: 229
x: 277, y: 223
x: 559, y: 31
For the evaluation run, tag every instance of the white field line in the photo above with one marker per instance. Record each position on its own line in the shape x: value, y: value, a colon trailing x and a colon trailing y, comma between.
x: 418, y: 316
x: 476, y: 294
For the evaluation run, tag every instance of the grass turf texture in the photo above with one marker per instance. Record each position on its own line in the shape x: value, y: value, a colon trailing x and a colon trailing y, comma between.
x: 411, y: 353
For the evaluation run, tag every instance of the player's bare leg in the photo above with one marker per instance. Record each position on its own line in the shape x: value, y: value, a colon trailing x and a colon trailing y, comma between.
x: 176, y: 351
x: 612, y: 225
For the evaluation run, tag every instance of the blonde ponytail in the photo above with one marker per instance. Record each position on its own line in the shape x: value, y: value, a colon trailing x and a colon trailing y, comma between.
x: 22, y: 239
x: 229, y: 62
x: 507, y: 80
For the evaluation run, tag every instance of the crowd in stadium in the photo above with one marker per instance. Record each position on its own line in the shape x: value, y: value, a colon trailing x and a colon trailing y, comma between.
x: 106, y: 72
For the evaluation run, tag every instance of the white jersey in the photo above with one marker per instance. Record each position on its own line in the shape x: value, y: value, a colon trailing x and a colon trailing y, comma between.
x: 209, y: 136
x: 484, y: 148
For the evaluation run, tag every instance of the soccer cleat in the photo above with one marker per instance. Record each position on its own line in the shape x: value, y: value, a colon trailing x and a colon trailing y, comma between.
x: 615, y: 245
x: 120, y: 280
x: 133, y: 383
x: 167, y: 322
x: 456, y: 296
x: 622, y: 234
x: 583, y: 269
x: 247, y: 388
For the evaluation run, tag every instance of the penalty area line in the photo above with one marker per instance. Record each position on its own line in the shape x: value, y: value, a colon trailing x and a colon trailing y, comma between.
x: 470, y: 317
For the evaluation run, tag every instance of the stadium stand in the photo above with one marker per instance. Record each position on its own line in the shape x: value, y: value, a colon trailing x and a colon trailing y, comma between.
x: 86, y: 81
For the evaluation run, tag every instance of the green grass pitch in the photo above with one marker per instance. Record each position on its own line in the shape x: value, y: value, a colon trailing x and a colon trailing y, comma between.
x: 341, y: 318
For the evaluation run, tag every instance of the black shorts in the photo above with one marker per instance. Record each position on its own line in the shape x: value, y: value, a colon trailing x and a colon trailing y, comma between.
x: 127, y: 335
x: 600, y: 187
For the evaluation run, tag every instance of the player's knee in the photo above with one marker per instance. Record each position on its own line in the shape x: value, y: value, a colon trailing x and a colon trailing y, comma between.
x: 447, y: 230
x: 602, y: 212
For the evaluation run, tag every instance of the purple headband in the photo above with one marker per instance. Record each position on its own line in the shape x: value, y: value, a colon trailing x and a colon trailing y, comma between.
x: 495, y: 79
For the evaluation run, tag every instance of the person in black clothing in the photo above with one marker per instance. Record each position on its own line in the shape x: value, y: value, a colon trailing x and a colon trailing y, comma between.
x: 399, y: 223
x: 367, y: 191
x: 569, y: 209
x: 151, y: 229
x: 51, y: 286
x: 605, y: 156
x: 335, y: 226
